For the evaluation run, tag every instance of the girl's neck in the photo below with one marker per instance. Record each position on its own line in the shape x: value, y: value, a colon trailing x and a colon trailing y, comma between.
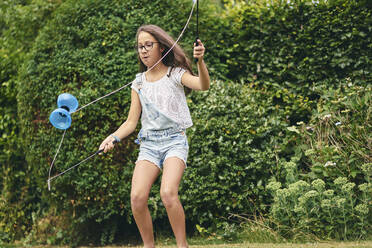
x: 159, y: 68
x: 157, y: 72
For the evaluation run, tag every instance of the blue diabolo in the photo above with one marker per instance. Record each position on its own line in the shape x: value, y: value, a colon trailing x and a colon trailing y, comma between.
x: 61, y: 117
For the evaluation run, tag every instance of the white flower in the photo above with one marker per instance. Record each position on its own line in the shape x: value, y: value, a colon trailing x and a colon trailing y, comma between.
x: 329, y: 163
x: 338, y: 123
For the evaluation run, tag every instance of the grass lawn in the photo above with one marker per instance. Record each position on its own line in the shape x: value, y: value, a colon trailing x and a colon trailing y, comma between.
x: 269, y: 245
x: 364, y: 244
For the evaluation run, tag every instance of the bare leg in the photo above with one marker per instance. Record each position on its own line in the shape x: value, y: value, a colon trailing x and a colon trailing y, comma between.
x: 172, y: 174
x: 144, y: 176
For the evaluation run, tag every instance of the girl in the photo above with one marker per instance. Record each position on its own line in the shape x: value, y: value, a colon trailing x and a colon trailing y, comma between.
x: 158, y: 96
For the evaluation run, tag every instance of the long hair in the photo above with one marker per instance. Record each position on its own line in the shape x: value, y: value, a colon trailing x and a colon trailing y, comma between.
x: 175, y: 58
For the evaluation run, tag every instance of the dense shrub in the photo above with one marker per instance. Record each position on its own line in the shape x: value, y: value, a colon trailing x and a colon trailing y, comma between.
x: 238, y: 142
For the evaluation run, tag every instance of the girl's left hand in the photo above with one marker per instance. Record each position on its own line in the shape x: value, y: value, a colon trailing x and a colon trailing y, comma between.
x: 199, y: 50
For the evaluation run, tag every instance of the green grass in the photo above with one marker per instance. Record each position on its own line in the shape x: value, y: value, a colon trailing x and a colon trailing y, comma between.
x: 364, y: 244
x: 213, y: 242
x: 252, y: 234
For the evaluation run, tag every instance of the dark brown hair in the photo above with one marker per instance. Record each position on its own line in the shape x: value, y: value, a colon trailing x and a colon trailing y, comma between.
x: 175, y: 58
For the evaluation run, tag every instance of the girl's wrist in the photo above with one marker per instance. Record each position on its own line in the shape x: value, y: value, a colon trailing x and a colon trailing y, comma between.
x: 117, y: 139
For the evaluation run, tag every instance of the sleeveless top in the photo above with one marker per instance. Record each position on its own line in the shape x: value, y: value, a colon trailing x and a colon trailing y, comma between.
x: 163, y: 101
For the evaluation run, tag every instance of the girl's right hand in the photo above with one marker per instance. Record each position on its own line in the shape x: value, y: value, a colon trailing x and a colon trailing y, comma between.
x: 199, y: 50
x: 107, y: 144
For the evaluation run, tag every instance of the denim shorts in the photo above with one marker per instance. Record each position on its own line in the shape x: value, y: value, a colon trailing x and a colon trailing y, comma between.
x: 157, y: 146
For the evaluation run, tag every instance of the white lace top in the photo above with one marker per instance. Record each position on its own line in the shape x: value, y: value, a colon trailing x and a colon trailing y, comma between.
x: 168, y: 96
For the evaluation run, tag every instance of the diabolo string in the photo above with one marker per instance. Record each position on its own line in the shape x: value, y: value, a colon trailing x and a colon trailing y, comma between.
x: 113, y: 92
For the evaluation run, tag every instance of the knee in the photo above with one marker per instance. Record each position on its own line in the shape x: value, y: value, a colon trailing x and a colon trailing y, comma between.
x: 169, y: 197
x: 138, y: 201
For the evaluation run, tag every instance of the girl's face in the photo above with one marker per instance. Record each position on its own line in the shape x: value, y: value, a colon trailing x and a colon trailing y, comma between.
x: 149, y: 49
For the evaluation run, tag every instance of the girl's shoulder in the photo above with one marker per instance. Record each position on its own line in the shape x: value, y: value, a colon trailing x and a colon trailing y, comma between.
x: 137, y: 82
x: 175, y: 74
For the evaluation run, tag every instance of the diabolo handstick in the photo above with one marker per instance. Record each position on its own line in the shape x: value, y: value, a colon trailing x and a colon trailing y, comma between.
x: 82, y: 161
x: 197, y: 26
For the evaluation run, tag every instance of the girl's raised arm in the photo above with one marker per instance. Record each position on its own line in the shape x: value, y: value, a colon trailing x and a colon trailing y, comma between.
x: 202, y: 81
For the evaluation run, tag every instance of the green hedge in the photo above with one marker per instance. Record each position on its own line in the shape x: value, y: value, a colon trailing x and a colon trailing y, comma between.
x: 301, y: 44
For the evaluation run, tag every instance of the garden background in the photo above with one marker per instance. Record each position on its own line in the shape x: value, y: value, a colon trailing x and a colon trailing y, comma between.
x: 281, y: 143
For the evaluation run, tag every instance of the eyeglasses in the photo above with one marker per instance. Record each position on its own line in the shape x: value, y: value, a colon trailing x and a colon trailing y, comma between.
x: 148, y: 46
